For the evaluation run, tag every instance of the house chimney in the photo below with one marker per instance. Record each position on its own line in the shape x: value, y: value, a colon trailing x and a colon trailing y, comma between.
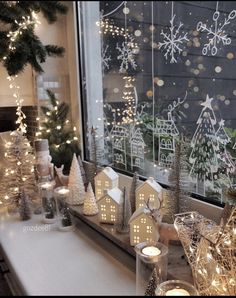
x: 105, y: 192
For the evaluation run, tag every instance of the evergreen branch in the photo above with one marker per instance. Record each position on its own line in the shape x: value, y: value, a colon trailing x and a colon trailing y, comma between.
x: 53, y: 50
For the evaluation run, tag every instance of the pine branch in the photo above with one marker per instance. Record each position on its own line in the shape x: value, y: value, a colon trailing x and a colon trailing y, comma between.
x: 53, y: 51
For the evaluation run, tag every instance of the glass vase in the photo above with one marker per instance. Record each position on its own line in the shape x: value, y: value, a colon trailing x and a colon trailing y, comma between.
x: 151, y: 267
x: 176, y: 288
x: 49, y: 209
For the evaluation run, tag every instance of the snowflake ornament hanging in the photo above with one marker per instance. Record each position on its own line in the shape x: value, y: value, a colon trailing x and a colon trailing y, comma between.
x: 173, y: 41
x: 126, y: 56
x: 105, y: 59
x: 215, y: 32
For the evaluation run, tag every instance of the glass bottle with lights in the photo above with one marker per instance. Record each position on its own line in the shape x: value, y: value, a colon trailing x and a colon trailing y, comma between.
x: 64, y: 218
x: 151, y: 267
x: 49, y: 209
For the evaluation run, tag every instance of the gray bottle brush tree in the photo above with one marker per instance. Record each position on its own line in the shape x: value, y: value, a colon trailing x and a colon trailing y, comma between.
x: 132, y: 197
x: 124, y: 215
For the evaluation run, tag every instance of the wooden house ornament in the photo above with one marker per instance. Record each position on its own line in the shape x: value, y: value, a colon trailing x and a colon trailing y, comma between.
x: 109, y: 205
x: 142, y: 227
x: 149, y: 190
x: 106, y: 179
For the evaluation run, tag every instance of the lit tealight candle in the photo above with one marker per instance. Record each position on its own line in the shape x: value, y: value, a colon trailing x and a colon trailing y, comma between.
x: 151, y: 251
x: 46, y: 185
x: 63, y: 191
x: 177, y: 292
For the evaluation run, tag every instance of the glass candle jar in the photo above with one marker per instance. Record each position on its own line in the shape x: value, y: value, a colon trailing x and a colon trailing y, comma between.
x: 151, y: 266
x: 49, y: 209
x: 176, y: 288
x: 65, y: 219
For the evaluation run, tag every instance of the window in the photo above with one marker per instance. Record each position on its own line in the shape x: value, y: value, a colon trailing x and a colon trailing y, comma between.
x: 143, y: 220
x: 103, y: 207
x: 152, y: 197
x: 149, y: 229
x: 140, y: 205
x: 136, y: 239
x: 113, y: 208
x: 136, y: 229
x: 113, y: 218
x: 129, y: 78
x: 141, y: 196
x: 106, y: 183
x: 108, y: 200
x: 99, y: 192
x: 104, y: 217
x: 99, y: 183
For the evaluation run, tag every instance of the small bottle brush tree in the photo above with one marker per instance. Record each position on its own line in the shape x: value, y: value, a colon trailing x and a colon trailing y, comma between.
x: 62, y: 139
x: 124, y: 215
x: 132, y: 197
x: 152, y: 285
x: 76, y: 184
x: 66, y: 216
x: 90, y: 204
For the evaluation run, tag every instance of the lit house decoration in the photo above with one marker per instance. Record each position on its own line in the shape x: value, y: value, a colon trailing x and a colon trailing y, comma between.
x: 142, y: 227
x: 110, y: 205
x: 106, y: 179
x: 119, y: 135
x: 137, y: 149
x: 149, y: 190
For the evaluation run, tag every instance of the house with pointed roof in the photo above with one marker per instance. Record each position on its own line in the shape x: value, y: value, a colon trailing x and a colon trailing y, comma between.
x: 137, y: 149
x: 119, y: 135
x: 142, y: 227
x: 106, y: 179
x: 149, y: 190
x: 166, y: 131
x: 109, y: 205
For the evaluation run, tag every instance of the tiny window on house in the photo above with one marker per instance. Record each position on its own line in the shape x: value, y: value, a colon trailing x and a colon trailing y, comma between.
x: 99, y: 191
x: 152, y: 197
x: 141, y: 196
x: 113, y: 218
x: 106, y: 183
x: 141, y: 205
x: 113, y: 208
x: 104, y: 217
x: 136, y: 239
x: 149, y: 229
x: 99, y: 183
x: 136, y: 228
x: 103, y: 207
x: 108, y: 200
x: 143, y: 220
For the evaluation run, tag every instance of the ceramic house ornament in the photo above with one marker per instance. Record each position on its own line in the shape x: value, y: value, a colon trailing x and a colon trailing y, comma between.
x: 105, y: 180
x: 109, y: 205
x: 142, y: 227
x: 149, y: 190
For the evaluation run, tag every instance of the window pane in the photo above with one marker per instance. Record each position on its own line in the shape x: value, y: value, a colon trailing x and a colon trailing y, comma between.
x: 154, y: 72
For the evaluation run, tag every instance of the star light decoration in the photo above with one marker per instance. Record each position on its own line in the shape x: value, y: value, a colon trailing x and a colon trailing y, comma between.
x: 173, y: 41
x: 215, y: 32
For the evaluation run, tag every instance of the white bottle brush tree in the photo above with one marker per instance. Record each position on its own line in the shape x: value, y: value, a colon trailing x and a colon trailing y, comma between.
x: 90, y: 205
x: 76, y: 184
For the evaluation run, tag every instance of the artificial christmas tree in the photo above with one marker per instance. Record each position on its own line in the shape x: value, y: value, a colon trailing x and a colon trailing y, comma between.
x: 63, y: 141
x: 152, y: 285
x: 90, y: 204
x: 75, y: 184
x: 132, y: 196
x: 66, y: 220
x: 20, y: 45
x: 124, y: 215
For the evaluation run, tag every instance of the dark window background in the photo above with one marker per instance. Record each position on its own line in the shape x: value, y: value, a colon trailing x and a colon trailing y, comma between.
x: 159, y: 83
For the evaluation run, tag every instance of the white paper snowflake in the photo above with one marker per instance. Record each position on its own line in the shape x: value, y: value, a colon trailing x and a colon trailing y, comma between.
x: 105, y: 58
x: 126, y: 56
x: 216, y: 33
x: 172, y: 41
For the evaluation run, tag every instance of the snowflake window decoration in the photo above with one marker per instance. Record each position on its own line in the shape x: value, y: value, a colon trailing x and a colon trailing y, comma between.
x: 105, y: 59
x: 173, y: 41
x: 215, y: 32
x: 126, y: 56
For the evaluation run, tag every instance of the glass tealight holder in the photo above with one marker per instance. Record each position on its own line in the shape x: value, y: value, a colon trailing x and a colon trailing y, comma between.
x: 151, y: 265
x: 176, y: 288
x: 65, y: 219
x: 49, y: 209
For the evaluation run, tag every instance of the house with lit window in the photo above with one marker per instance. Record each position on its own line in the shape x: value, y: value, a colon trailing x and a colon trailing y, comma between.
x: 106, y: 179
x: 137, y: 149
x: 142, y: 227
x: 109, y: 205
x: 151, y: 190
